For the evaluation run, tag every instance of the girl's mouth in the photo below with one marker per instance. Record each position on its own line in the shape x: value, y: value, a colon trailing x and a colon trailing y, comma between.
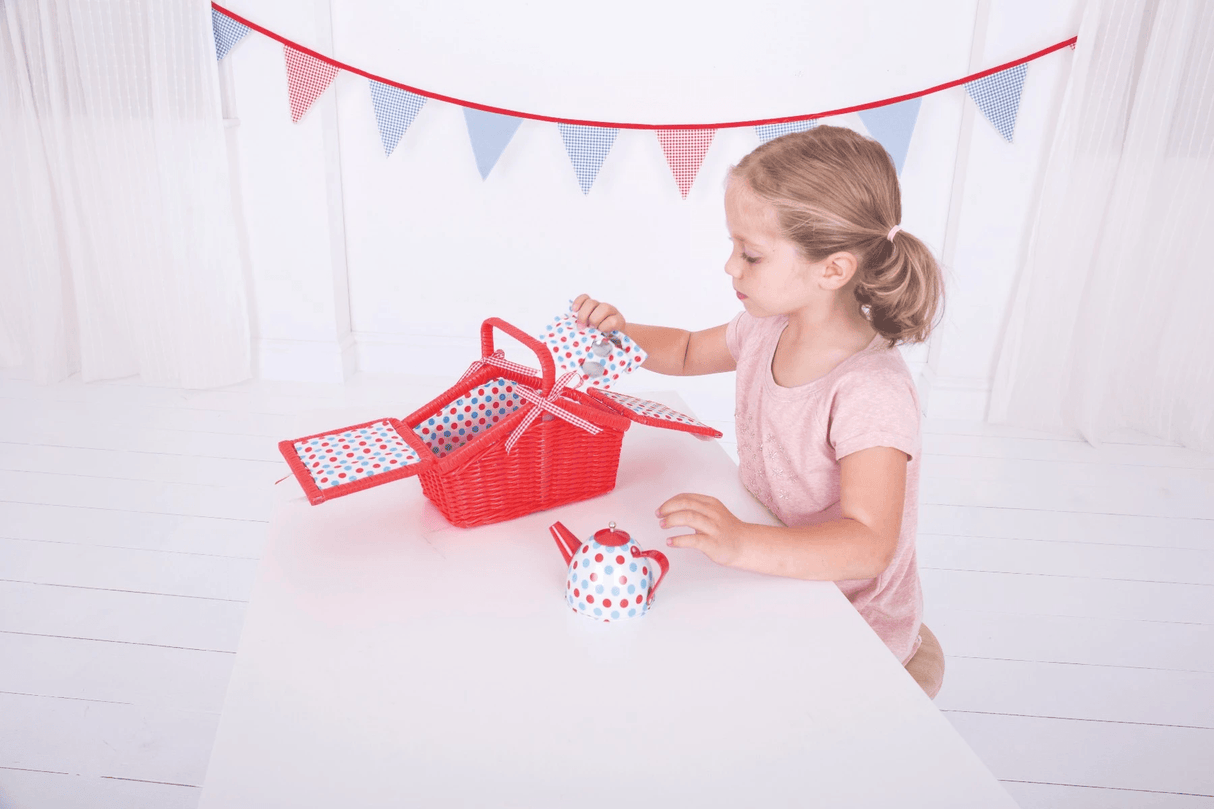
x: 741, y: 297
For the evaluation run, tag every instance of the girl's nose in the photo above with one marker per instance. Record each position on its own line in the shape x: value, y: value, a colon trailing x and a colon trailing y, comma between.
x: 733, y: 268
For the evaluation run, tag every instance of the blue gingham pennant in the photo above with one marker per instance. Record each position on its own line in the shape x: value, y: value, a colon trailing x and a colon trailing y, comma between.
x: 768, y: 132
x: 998, y: 96
x: 490, y: 134
x: 227, y: 33
x: 587, y: 147
x: 395, y: 109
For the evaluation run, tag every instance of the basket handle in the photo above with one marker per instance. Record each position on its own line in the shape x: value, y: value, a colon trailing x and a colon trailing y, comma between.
x: 548, y: 373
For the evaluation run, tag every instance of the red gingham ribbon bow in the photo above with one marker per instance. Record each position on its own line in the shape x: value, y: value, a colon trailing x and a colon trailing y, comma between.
x: 498, y: 360
x: 547, y: 405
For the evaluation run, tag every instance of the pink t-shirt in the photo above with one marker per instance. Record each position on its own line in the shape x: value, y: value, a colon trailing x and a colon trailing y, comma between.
x: 790, y: 441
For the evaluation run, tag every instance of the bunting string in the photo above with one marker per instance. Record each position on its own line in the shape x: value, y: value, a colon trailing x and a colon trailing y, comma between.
x: 891, y: 121
x: 787, y: 119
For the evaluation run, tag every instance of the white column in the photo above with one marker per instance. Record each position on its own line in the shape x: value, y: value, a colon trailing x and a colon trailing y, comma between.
x: 290, y: 206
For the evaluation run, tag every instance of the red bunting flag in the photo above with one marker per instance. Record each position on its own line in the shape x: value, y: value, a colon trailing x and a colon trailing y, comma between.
x: 307, y: 78
x: 685, y: 150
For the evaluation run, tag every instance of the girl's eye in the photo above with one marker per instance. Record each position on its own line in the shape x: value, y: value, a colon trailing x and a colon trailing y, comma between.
x: 750, y: 259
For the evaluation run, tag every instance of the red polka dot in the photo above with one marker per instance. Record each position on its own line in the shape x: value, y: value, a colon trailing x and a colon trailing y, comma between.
x: 619, y: 560
x: 375, y: 466
x: 341, y: 474
x: 362, y: 443
x: 590, y: 598
x: 645, y: 571
x: 576, y: 594
x: 623, y: 579
x: 598, y: 557
x: 606, y: 602
x: 594, y: 577
x: 567, y: 585
x: 324, y: 480
x: 358, y: 470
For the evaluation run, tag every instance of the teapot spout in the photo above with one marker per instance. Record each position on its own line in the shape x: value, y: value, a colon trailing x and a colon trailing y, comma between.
x: 565, y: 540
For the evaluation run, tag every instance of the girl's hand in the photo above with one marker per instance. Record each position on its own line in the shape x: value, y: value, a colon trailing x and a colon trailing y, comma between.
x: 718, y: 533
x: 602, y: 316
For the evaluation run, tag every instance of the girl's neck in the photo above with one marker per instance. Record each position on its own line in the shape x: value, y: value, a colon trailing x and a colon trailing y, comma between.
x: 833, y: 329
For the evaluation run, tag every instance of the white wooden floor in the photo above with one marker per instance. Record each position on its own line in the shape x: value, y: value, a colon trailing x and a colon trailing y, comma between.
x: 1071, y: 587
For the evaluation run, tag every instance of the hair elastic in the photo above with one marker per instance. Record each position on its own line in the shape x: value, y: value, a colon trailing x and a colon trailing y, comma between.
x: 892, y: 231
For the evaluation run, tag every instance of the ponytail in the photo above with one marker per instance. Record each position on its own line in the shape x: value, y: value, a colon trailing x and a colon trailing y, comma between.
x: 900, y: 289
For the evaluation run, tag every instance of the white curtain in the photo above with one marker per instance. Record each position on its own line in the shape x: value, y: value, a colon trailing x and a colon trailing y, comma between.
x: 118, y: 250
x: 1111, y: 324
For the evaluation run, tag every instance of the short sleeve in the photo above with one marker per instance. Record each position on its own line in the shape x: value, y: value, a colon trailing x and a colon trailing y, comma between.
x: 874, y: 408
x: 737, y: 332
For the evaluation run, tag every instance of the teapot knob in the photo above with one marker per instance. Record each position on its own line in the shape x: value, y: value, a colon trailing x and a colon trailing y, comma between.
x: 610, y: 537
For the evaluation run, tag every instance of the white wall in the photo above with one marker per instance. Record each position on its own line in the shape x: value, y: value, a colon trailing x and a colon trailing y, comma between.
x: 430, y: 249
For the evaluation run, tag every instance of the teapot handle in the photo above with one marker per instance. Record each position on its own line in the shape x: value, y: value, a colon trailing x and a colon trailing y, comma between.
x: 663, y: 564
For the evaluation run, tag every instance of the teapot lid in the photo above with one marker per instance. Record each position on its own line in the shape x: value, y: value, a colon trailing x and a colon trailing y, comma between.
x: 611, y: 537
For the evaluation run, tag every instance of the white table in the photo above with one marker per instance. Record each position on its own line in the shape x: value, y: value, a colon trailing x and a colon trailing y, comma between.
x: 390, y: 660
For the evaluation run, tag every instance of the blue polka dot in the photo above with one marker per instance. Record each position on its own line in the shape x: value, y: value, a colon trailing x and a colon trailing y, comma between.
x: 633, y: 567
x: 598, y: 611
x: 615, y: 613
x: 615, y: 591
x: 632, y: 612
x: 584, y: 584
x: 644, y: 583
x: 599, y: 589
x: 607, y: 570
x: 581, y: 606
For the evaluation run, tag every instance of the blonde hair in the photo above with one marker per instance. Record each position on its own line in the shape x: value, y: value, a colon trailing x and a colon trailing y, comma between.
x: 835, y: 190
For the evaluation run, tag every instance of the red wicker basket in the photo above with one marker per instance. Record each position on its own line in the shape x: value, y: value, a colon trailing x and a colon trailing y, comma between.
x: 500, y: 443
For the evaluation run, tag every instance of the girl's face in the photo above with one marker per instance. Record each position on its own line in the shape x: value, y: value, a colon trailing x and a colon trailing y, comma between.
x: 769, y: 275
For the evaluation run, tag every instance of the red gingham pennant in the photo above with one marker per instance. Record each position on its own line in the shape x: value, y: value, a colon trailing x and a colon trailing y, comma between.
x: 685, y: 150
x: 307, y: 78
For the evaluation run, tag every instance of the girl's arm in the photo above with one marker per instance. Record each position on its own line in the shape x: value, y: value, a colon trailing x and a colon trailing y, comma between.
x: 674, y: 352
x: 860, y: 545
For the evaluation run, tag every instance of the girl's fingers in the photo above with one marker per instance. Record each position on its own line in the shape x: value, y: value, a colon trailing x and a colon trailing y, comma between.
x: 601, y: 313
x: 612, y: 323
x: 694, y: 520
x: 685, y: 541
x: 578, y: 301
x: 585, y: 309
x: 683, y: 501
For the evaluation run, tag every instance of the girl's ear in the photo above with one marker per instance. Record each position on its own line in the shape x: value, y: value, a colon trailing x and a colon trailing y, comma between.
x: 837, y: 270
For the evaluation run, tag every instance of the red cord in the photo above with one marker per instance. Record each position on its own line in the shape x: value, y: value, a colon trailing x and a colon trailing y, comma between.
x: 616, y: 125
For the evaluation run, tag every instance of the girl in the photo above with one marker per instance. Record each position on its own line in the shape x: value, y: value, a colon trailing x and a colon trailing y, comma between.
x: 827, y: 414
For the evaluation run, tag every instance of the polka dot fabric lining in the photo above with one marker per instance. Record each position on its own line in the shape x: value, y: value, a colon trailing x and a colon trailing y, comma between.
x: 340, y: 458
x: 469, y: 415
x: 655, y: 411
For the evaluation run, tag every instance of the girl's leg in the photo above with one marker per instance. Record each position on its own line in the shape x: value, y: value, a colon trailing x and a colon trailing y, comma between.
x: 927, y: 666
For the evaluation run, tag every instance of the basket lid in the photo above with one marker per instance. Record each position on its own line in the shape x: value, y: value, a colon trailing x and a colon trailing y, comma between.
x: 611, y: 537
x: 350, y: 459
x: 654, y: 414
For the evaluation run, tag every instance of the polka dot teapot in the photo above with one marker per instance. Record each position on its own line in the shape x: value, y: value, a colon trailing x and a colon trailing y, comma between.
x: 610, y: 577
